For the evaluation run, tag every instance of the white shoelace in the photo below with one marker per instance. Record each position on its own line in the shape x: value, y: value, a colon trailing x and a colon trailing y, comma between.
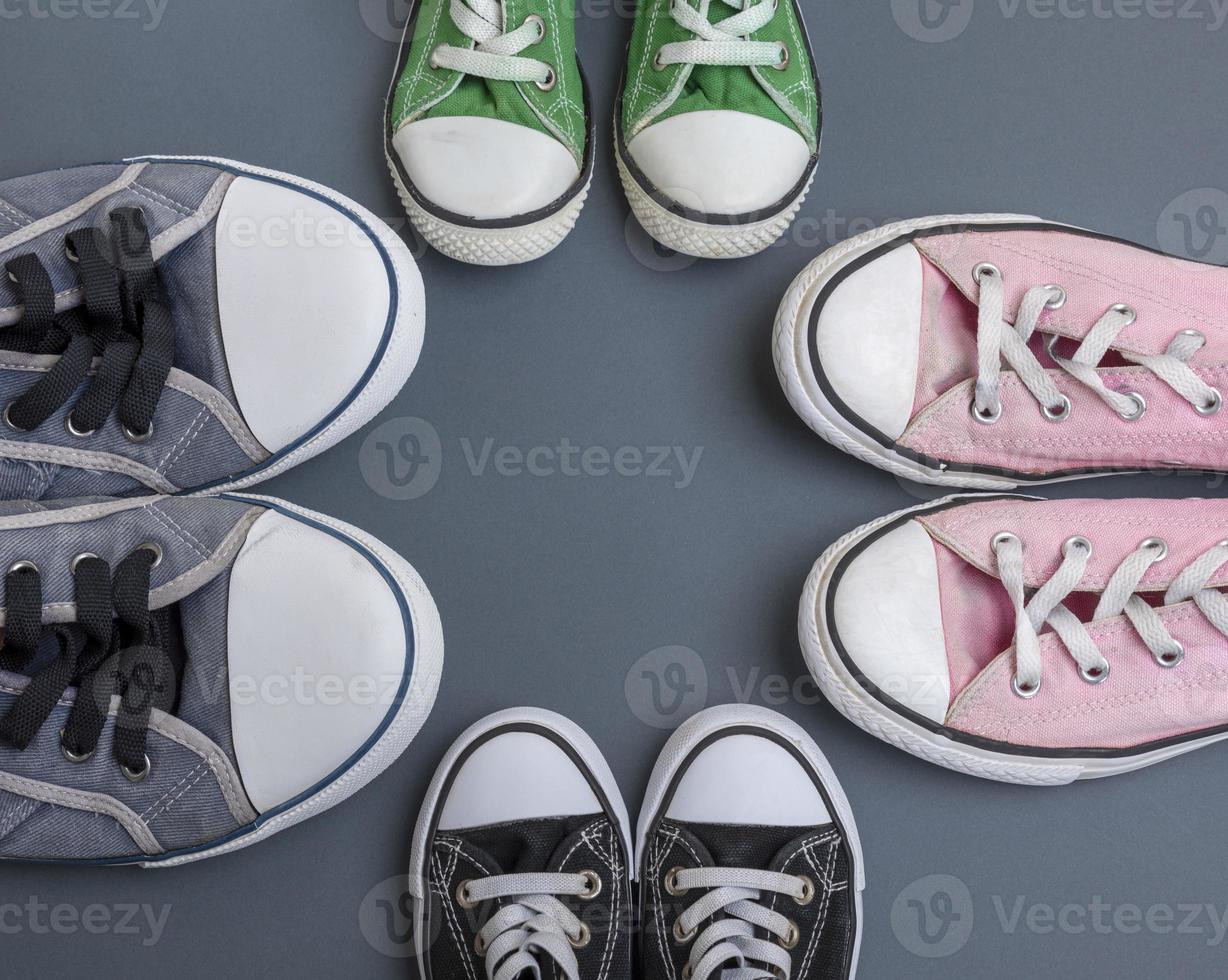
x: 724, y: 43
x: 496, y: 54
x: 533, y: 924
x: 997, y: 340
x: 736, y: 892
x: 1119, y: 596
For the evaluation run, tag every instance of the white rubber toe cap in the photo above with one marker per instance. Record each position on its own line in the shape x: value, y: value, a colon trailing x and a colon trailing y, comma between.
x: 516, y: 776
x: 486, y: 169
x: 316, y: 642
x: 719, y: 161
x: 750, y: 780
x: 888, y: 617
x: 304, y: 299
x: 869, y: 339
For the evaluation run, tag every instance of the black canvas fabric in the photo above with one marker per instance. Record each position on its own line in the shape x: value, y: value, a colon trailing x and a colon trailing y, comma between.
x: 826, y: 924
x: 556, y: 844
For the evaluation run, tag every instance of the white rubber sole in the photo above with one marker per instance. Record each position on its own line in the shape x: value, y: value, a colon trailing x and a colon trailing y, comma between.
x: 703, y: 726
x: 410, y: 715
x: 490, y: 246
x: 568, y: 731
x: 400, y: 355
x: 700, y: 239
x: 871, y: 715
x: 790, y: 340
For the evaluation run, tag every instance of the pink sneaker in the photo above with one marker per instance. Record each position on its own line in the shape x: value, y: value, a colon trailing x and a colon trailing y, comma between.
x: 1025, y: 640
x: 992, y: 350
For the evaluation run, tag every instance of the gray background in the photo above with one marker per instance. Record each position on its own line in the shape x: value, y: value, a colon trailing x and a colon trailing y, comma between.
x: 553, y: 587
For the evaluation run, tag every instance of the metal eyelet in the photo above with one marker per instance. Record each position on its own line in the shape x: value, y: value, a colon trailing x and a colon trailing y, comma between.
x: 541, y: 26
x: 138, y: 436
x: 71, y: 251
x: 76, y: 758
x: 687, y: 972
x: 1196, y: 334
x: 23, y: 565
x: 462, y: 896
x: 1213, y: 406
x: 681, y: 937
x: 1127, y: 311
x: 155, y: 548
x: 1097, y: 675
x: 1140, y: 407
x: 671, y: 882
x: 551, y: 80
x: 1022, y: 690
x: 783, y: 62
x: 792, y: 937
x: 79, y: 559
x: 1059, y: 414
x: 12, y: 278
x: 1156, y: 544
x: 1172, y: 656
x: 807, y: 895
x: 1001, y: 538
x: 582, y: 940
x: 1056, y: 301
x: 479, y: 945
x: 1078, y: 541
x: 983, y: 269
x: 657, y: 63
x: 594, y: 886
x: 984, y: 419
x: 74, y: 431
x: 8, y: 419
x: 136, y: 775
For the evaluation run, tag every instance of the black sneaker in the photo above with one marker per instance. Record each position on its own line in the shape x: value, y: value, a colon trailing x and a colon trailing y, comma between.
x: 749, y: 862
x: 520, y: 861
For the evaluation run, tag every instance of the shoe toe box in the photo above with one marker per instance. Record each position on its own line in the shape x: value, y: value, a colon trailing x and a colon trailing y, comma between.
x: 484, y: 169
x: 722, y: 162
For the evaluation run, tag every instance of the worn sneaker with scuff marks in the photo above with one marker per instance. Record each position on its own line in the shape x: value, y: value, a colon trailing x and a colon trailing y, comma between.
x: 989, y: 351
x: 488, y: 132
x: 718, y: 122
x: 749, y: 861
x: 521, y: 857
x: 174, y: 324
x: 184, y: 676
x: 1028, y: 641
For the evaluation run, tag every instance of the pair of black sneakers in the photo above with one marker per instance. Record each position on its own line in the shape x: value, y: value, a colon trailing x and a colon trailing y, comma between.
x: 746, y: 866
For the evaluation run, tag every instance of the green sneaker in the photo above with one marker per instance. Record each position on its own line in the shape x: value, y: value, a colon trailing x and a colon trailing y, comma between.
x: 488, y: 132
x: 717, y: 125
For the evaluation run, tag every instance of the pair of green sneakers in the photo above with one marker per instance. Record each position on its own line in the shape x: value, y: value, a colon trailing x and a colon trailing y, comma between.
x: 490, y: 134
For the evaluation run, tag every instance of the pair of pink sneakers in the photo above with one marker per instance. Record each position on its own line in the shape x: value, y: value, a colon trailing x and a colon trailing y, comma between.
x: 1008, y: 637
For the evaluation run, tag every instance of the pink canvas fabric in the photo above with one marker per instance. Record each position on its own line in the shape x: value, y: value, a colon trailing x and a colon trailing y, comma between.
x: 1169, y: 295
x: 1140, y: 701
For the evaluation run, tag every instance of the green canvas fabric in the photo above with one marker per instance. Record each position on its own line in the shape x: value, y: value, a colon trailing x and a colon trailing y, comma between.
x: 785, y: 96
x: 423, y: 92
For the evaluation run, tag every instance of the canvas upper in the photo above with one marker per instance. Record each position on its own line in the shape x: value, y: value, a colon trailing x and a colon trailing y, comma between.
x: 173, y: 325
x: 981, y: 351
x: 176, y: 672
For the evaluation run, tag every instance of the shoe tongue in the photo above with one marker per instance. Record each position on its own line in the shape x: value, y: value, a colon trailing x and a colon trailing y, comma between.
x: 525, y: 846
x: 742, y: 846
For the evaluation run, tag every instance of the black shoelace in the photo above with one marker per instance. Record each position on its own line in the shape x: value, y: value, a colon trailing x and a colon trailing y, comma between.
x: 115, y: 647
x: 126, y: 321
